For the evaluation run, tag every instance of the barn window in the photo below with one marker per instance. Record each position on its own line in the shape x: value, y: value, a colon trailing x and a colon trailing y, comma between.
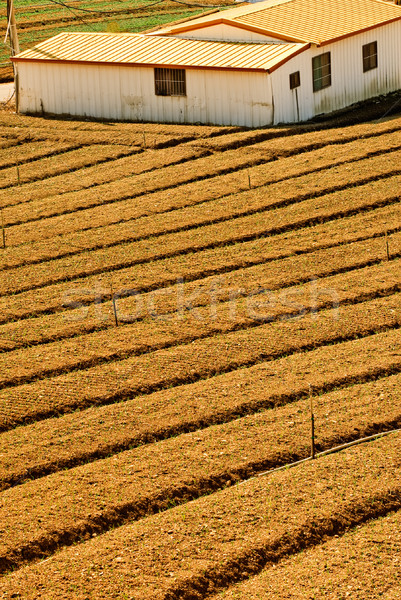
x: 321, y: 67
x: 170, y: 82
x: 369, y: 54
x: 295, y: 80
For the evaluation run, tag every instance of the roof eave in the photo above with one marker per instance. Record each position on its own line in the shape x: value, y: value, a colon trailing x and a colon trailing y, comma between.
x: 287, y: 58
x: 17, y: 59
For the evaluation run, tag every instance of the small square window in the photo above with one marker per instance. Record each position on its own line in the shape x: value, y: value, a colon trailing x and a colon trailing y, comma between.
x: 369, y: 56
x: 321, y: 67
x: 295, y: 80
x: 170, y: 82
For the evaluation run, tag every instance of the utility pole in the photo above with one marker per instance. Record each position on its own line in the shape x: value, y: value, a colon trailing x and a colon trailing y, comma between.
x: 12, y: 28
x: 14, y: 45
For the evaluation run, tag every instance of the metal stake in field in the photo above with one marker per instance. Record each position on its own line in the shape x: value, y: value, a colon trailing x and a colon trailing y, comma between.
x: 18, y: 176
x: 249, y: 180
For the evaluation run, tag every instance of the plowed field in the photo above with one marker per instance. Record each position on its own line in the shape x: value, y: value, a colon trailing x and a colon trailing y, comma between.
x: 173, y: 300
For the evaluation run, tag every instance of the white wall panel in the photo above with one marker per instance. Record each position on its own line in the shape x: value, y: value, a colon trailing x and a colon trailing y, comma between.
x: 114, y: 92
x: 349, y: 83
x: 213, y: 96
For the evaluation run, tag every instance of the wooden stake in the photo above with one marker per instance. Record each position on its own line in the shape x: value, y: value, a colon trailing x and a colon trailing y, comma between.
x: 144, y: 139
x: 18, y: 177
x: 249, y: 180
x: 114, y: 306
x: 2, y: 228
x: 312, y: 416
x: 387, y: 246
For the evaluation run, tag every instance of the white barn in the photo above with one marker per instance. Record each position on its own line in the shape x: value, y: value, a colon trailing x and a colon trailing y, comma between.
x: 276, y: 61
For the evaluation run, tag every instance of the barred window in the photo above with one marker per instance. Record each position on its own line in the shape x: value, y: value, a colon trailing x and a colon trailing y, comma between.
x: 295, y: 80
x: 170, y: 82
x: 369, y: 56
x: 321, y: 67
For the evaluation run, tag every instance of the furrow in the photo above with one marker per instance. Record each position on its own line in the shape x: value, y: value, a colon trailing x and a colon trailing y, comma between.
x: 146, y: 161
x: 226, y: 306
x: 51, y: 327
x: 57, y: 164
x: 198, y: 231
x: 345, y: 383
x: 194, y: 361
x: 277, y: 148
x: 186, y: 266
x: 204, y: 173
x: 193, y: 550
x: 199, y: 463
x: 367, y: 568
x: 33, y: 151
x: 225, y: 209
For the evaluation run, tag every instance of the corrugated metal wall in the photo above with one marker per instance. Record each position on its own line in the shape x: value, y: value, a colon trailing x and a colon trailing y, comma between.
x: 349, y: 83
x: 113, y: 92
x: 218, y: 97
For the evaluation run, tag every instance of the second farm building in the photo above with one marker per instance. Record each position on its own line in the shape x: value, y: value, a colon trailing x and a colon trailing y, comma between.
x: 276, y: 61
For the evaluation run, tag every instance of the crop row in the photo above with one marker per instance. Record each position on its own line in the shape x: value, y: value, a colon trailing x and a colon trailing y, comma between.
x: 277, y: 147
x: 175, y: 365
x: 212, y: 542
x: 207, y: 168
x: 98, y: 432
x: 262, y: 293
x: 301, y: 137
x: 204, y: 459
x: 73, y: 160
x: 368, y: 567
x: 57, y: 126
x: 194, y: 266
x: 31, y: 151
x: 262, y: 219
x: 98, y: 174
x: 238, y: 258
x: 320, y: 180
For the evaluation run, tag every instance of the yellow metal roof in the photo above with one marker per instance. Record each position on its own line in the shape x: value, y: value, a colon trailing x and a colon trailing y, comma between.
x: 314, y: 21
x: 134, y: 49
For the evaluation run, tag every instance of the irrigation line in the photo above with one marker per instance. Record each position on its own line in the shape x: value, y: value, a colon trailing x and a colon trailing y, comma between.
x: 324, y: 453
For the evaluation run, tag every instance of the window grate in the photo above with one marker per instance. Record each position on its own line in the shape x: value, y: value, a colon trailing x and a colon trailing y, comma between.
x: 170, y: 82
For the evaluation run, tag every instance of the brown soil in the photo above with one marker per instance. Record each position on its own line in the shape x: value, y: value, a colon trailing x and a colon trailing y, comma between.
x: 363, y: 563
x: 174, y: 365
x: 208, y: 186
x: 268, y: 263
x: 192, y: 550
